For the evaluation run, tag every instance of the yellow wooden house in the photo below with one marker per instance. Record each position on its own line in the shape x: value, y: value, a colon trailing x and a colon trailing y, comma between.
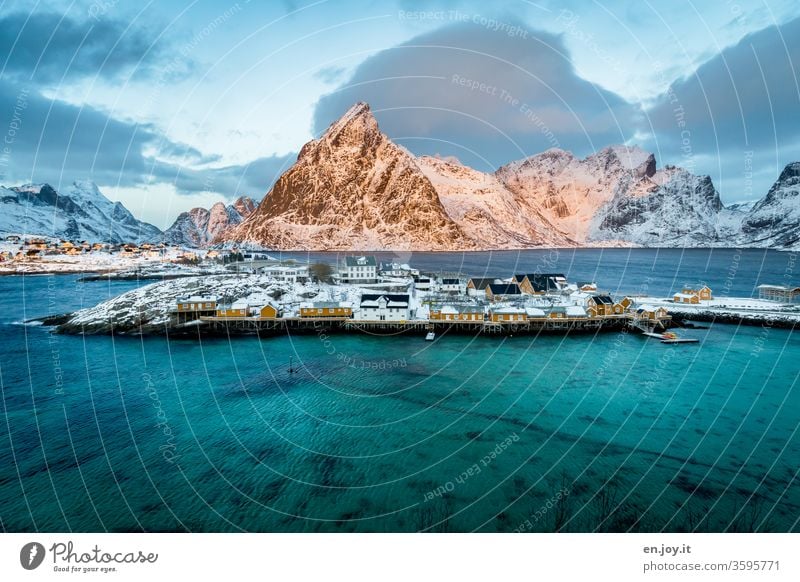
x: 268, y: 311
x: 650, y: 313
x: 702, y: 291
x: 690, y: 298
x: 600, y: 305
x: 236, y: 309
x: 508, y: 315
x: 456, y: 313
x: 326, y: 309
x: 198, y: 304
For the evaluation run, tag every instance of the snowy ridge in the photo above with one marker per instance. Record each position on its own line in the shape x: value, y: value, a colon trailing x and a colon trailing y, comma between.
x: 353, y: 189
x: 198, y: 227
x: 81, y: 212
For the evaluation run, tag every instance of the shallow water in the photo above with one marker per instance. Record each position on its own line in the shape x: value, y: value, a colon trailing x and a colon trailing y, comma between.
x: 583, y: 433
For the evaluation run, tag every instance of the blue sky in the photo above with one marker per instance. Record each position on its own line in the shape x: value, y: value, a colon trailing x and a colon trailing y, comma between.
x: 169, y: 105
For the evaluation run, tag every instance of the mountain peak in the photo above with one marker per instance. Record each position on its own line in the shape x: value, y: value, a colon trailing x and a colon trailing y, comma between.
x: 792, y: 170
x: 355, y: 128
x: 631, y: 158
x: 353, y: 187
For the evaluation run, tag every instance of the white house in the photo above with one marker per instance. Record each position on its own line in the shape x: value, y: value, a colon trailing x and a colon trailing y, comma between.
x: 359, y: 270
x: 422, y: 283
x: 451, y: 286
x: 398, y: 270
x: 285, y: 272
x: 385, y: 307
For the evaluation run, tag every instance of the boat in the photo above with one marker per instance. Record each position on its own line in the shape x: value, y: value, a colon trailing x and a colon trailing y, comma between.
x: 430, y: 336
x: 669, y: 337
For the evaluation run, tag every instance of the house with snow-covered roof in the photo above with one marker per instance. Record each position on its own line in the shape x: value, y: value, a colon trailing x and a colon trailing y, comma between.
x: 239, y: 308
x: 702, y: 291
x: 359, y: 270
x: 456, y: 313
x: 326, y: 309
x: 384, y: 307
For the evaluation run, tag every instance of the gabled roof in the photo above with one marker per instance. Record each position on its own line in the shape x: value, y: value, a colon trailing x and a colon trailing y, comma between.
x: 480, y: 283
x: 684, y: 295
x: 543, y: 281
x: 504, y: 288
x: 364, y: 261
x: 392, y: 299
x: 602, y: 299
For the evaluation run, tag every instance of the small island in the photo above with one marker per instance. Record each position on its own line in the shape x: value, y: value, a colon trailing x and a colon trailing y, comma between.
x: 267, y: 296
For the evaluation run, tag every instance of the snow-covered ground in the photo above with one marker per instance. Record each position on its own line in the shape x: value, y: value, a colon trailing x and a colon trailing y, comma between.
x: 99, y: 261
x: 729, y: 308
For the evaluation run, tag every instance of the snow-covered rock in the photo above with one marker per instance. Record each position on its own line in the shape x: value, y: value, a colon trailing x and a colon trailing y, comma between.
x: 81, y: 212
x: 671, y: 207
x: 572, y: 192
x: 774, y: 221
x: 198, y: 227
x: 487, y: 212
x: 353, y: 188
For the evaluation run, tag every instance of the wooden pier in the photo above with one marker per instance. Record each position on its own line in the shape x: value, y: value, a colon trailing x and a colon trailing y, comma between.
x: 307, y: 325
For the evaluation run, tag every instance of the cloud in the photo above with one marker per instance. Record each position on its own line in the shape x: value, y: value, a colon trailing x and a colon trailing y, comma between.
x: 330, y: 74
x: 51, y: 141
x: 487, y: 91
x: 44, y: 47
x: 735, y: 117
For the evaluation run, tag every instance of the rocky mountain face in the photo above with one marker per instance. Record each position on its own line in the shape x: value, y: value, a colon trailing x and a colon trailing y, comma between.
x: 491, y: 215
x: 353, y: 189
x: 81, y: 212
x: 619, y: 196
x: 199, y: 227
x: 774, y: 221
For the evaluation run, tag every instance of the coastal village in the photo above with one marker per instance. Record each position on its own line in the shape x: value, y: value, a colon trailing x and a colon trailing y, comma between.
x: 28, y: 255
x: 362, y: 293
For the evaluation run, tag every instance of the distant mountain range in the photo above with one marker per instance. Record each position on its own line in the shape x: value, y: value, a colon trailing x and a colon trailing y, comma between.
x: 82, y: 212
x: 200, y: 227
x: 354, y: 189
x: 79, y: 213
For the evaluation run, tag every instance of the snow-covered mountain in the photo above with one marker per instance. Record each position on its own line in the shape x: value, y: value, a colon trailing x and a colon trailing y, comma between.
x: 81, y: 212
x: 199, y: 227
x: 354, y: 189
x: 487, y: 212
x: 618, y: 195
x: 774, y: 221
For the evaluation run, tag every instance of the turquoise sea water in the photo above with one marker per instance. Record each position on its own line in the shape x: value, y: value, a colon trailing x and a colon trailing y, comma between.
x: 608, y: 432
